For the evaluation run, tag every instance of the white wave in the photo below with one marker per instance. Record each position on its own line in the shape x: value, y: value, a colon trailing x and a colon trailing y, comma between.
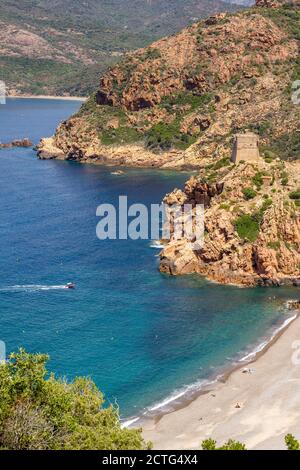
x: 265, y: 343
x: 175, y: 396
x: 129, y: 422
x: 204, y: 384
x: 157, y: 245
x: 31, y: 288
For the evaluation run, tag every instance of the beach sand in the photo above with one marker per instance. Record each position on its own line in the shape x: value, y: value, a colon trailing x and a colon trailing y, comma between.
x: 45, y: 97
x: 269, y: 400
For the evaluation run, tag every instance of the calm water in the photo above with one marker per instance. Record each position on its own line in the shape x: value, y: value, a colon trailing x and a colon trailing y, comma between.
x: 139, y: 334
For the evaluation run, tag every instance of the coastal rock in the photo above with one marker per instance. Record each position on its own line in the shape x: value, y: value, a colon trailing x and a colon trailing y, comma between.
x: 293, y: 304
x: 247, y: 242
x: 17, y: 143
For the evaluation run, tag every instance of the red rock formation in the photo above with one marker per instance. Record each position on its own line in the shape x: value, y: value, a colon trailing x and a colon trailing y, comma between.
x: 272, y: 258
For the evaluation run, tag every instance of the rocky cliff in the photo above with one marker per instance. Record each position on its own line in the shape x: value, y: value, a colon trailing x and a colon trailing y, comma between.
x: 252, y: 225
x: 178, y: 102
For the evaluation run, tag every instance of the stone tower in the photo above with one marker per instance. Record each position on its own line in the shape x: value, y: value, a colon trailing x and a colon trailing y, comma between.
x: 245, y: 148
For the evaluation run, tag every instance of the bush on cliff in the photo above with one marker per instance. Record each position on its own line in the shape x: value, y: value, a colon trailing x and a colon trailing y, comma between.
x: 247, y: 227
x: 249, y: 193
x: 38, y: 411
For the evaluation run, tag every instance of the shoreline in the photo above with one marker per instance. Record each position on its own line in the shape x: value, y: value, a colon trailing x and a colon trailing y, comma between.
x: 182, y: 398
x: 49, y: 97
x: 192, y: 419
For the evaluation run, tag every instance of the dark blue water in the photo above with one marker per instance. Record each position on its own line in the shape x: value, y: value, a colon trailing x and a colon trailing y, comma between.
x: 139, y: 334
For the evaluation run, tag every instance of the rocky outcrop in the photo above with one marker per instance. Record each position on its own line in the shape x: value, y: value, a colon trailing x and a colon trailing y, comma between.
x: 247, y: 242
x: 294, y: 304
x: 17, y: 143
x: 178, y: 102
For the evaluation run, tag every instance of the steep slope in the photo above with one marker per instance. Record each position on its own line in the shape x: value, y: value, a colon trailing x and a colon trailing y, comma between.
x: 252, y: 225
x: 178, y: 102
x: 61, y: 47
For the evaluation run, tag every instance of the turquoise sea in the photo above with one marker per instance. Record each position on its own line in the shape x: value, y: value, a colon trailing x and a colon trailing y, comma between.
x: 142, y: 336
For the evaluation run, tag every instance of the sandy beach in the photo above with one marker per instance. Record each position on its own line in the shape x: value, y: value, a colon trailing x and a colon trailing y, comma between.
x: 258, y: 408
x: 45, y: 97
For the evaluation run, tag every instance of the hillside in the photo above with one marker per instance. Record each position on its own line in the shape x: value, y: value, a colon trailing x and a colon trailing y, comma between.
x: 179, y: 102
x: 61, y: 47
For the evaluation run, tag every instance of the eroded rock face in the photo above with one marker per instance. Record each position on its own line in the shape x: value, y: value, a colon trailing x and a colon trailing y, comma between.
x: 272, y: 257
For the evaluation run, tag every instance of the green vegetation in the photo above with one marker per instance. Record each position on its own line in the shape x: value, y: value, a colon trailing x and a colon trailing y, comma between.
x: 295, y: 195
x: 151, y: 54
x: 210, y: 444
x: 247, y: 227
x: 258, y: 180
x: 284, y: 178
x: 249, y: 193
x: 43, y: 76
x: 261, y: 128
x: 165, y: 136
x: 225, y: 206
x: 287, y: 146
x: 274, y: 245
x: 225, y: 161
x: 186, y: 99
x: 38, y: 411
x: 122, y: 135
x: 291, y: 442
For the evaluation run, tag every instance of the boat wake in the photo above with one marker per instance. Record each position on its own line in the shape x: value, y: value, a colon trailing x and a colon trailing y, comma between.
x: 31, y: 288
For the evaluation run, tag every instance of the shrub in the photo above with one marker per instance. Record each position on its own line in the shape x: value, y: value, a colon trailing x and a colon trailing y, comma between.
x: 257, y: 179
x: 291, y: 442
x: 222, y: 163
x: 247, y: 227
x: 210, y: 444
x: 274, y: 245
x: 164, y: 136
x: 295, y: 195
x: 249, y: 193
x: 186, y: 98
x: 284, y: 178
x: 38, y: 411
x: 151, y: 54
